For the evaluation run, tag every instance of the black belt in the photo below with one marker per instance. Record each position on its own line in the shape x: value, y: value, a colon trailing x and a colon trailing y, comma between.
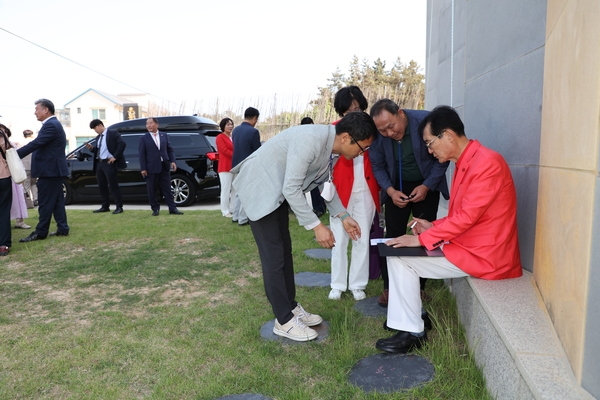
x: 103, y: 159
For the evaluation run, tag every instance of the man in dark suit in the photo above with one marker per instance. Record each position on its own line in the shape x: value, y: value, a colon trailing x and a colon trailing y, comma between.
x: 49, y: 165
x: 246, y: 140
x: 156, y: 160
x: 108, y: 158
x: 410, y: 178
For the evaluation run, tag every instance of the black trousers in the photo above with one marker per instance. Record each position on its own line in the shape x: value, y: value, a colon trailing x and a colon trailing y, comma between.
x: 272, y: 236
x: 161, y: 180
x: 51, y: 202
x: 5, y: 204
x: 396, y: 219
x: 106, y: 174
x: 318, y: 202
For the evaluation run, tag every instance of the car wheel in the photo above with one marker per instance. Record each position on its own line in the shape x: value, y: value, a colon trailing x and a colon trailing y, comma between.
x: 183, y: 189
x: 67, y: 193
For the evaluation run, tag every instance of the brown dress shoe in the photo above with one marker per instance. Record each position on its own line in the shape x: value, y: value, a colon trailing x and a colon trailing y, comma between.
x: 383, y: 299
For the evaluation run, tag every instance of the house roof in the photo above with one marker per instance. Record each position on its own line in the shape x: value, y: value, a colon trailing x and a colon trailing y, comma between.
x: 115, y: 99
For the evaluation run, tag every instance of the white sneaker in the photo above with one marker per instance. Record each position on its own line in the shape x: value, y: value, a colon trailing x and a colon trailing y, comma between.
x: 335, y: 294
x: 358, y: 294
x: 294, y: 329
x: 306, y: 317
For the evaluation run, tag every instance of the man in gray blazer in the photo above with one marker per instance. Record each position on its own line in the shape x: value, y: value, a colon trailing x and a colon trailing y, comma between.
x: 285, y: 168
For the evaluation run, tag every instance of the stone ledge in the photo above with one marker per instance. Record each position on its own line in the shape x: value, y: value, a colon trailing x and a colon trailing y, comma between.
x: 513, y: 339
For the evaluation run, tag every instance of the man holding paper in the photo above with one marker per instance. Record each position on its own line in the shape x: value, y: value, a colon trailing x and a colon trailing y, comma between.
x: 478, y: 237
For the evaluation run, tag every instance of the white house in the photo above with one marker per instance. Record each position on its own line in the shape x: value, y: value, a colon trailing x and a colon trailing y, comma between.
x: 91, y: 104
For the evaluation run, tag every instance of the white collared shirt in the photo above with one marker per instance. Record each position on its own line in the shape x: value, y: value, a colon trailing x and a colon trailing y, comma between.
x: 156, y: 138
x: 44, y: 121
x: 104, y: 153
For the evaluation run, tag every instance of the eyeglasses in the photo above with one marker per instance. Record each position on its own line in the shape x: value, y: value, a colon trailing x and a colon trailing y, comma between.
x: 362, y: 149
x: 428, y: 144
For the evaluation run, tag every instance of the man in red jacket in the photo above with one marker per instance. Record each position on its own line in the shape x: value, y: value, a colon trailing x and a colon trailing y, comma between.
x: 478, y: 237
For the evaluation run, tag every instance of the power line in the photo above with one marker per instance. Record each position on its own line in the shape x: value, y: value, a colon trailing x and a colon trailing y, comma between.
x: 83, y: 66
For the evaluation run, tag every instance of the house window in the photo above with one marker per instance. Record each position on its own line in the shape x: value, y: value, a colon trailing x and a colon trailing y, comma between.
x: 78, y: 110
x: 99, y: 113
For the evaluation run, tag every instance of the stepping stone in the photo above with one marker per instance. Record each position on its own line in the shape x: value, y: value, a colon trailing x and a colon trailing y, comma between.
x: 266, y: 331
x: 370, y: 307
x: 387, y: 373
x: 312, y: 279
x: 319, y: 254
x: 245, y: 396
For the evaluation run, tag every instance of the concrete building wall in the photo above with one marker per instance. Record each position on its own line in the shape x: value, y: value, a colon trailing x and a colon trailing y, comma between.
x: 567, y: 258
x: 524, y: 76
x: 486, y: 59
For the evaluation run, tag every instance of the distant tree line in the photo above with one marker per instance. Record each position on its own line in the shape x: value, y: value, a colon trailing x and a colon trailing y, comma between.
x: 403, y: 83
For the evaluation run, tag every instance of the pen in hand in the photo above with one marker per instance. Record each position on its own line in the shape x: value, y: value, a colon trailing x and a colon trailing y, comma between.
x: 414, y: 223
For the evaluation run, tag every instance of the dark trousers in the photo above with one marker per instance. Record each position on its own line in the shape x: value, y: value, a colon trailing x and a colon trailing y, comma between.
x: 272, y: 236
x: 5, y: 204
x: 396, y: 219
x: 161, y: 180
x: 106, y: 174
x: 318, y: 202
x: 51, y: 202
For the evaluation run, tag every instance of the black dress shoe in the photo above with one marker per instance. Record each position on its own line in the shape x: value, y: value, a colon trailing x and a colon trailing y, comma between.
x: 118, y: 210
x: 102, y: 210
x: 401, y: 343
x: 32, y: 237
x: 155, y: 213
x: 176, y: 212
x: 57, y: 233
x: 426, y: 320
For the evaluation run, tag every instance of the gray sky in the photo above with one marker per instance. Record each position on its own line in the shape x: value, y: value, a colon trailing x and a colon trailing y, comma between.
x: 193, y: 51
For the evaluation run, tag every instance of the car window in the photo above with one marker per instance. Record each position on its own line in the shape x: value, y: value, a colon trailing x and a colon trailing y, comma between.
x: 132, y: 143
x: 212, y: 138
x: 181, y: 141
x: 188, y: 144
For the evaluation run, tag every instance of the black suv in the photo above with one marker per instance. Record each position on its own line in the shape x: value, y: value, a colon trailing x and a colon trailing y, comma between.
x: 193, y: 141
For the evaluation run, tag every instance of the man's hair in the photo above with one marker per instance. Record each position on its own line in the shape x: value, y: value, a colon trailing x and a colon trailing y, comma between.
x: 95, y: 123
x: 46, y: 103
x: 6, y: 130
x: 307, y: 121
x: 384, y: 105
x: 250, y: 113
x: 440, y: 118
x: 224, y: 122
x: 344, y: 96
x: 154, y: 119
x: 358, y: 124
x: 27, y: 132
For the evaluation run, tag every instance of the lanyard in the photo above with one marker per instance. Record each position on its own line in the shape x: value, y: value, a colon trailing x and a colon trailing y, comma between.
x: 400, y: 163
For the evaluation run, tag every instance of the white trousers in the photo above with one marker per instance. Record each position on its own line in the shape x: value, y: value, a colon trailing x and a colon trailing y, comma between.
x: 404, y: 303
x: 227, y: 192
x: 238, y: 214
x: 362, y: 209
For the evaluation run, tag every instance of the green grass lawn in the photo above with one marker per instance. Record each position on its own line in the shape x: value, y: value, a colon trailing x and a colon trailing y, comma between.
x: 133, y: 306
